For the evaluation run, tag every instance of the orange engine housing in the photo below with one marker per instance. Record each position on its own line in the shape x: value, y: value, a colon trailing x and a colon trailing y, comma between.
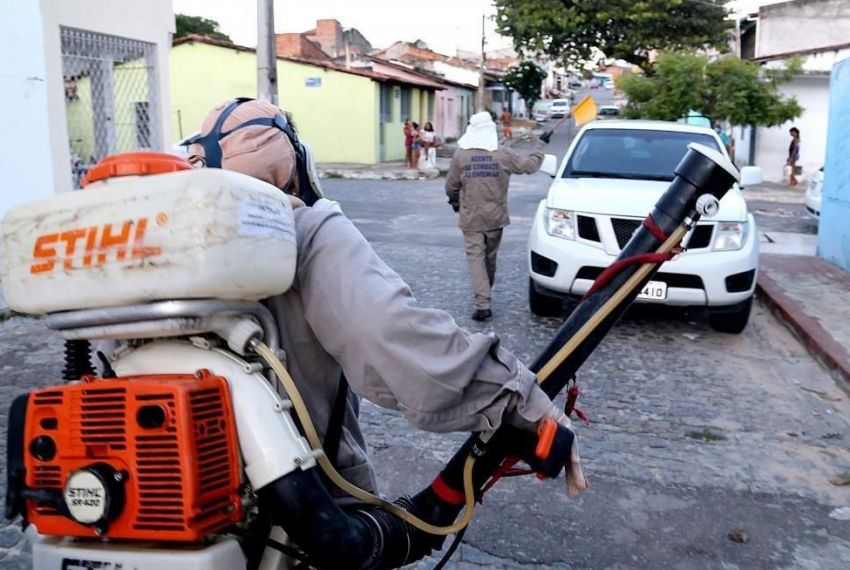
x: 172, y: 438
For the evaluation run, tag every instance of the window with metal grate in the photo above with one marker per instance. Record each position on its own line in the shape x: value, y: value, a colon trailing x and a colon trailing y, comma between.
x: 112, y: 102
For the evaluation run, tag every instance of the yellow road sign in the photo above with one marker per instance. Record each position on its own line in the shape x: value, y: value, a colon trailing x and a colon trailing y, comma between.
x: 585, y: 111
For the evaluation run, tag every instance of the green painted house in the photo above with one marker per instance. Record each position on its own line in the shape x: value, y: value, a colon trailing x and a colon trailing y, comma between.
x: 346, y: 114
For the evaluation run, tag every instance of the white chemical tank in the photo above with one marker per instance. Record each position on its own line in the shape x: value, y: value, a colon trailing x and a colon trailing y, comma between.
x: 50, y: 552
x: 127, y: 239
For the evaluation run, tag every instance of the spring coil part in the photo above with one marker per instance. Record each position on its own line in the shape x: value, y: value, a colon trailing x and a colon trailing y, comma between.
x: 77, y: 360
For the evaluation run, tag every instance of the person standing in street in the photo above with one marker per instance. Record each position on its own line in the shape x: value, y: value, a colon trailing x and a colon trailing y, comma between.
x: 726, y: 140
x: 416, y: 146
x: 407, y: 130
x: 428, y: 138
x: 793, y: 156
x: 507, y: 121
x: 477, y: 188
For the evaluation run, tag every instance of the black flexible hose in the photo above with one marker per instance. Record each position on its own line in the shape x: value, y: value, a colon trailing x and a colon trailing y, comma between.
x: 302, y: 506
x: 367, y: 537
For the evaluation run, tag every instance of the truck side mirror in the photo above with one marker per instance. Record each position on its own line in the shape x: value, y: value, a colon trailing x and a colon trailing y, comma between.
x: 751, y: 176
x: 550, y: 165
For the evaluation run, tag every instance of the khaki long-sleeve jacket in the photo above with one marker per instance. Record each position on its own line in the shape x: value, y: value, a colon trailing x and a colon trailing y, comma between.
x: 347, y: 310
x: 478, y: 181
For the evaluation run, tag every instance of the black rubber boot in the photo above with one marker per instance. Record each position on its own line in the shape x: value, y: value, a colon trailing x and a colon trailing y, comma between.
x: 482, y: 314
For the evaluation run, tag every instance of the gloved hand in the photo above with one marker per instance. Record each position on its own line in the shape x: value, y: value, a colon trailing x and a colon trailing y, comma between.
x: 455, y: 206
x: 546, y: 137
x: 556, y: 451
x: 576, y: 482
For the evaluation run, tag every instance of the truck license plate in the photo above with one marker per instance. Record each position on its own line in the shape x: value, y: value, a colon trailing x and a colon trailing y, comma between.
x: 654, y: 291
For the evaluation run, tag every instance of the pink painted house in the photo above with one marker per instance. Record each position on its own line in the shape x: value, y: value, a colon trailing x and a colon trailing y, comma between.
x: 453, y: 103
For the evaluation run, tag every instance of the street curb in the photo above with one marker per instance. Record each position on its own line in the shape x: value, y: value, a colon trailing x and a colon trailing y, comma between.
x: 820, y: 344
x: 342, y: 174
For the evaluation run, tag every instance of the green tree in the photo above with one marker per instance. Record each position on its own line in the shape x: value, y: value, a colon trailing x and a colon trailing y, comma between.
x: 196, y: 25
x: 525, y: 78
x: 728, y: 89
x: 622, y: 29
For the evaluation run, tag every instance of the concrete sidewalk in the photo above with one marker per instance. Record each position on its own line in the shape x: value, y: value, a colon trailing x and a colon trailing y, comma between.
x: 773, y: 192
x: 381, y: 171
x: 809, y: 294
x: 813, y: 297
x: 523, y: 139
x: 787, y: 243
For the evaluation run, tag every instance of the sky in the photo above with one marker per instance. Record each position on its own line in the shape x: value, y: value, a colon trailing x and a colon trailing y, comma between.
x: 446, y: 25
x: 749, y: 6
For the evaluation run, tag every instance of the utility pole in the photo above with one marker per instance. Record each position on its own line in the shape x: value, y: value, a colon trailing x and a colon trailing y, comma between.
x: 266, y: 56
x: 481, y: 81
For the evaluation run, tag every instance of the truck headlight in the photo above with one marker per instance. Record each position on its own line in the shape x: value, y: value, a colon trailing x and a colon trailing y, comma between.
x: 560, y: 223
x: 730, y: 236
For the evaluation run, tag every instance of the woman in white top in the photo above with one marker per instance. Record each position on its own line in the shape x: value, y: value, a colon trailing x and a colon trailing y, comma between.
x: 428, y: 138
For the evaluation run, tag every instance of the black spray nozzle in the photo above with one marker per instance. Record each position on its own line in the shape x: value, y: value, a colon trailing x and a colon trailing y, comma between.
x: 707, y: 170
x: 701, y: 172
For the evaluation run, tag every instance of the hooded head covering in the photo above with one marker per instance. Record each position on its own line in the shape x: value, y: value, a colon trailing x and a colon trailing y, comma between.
x: 261, y: 151
x: 480, y: 133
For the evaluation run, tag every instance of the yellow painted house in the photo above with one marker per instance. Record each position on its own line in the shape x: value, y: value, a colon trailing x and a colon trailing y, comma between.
x: 346, y: 115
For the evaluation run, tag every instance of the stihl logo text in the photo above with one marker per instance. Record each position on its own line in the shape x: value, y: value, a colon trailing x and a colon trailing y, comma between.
x: 97, y: 244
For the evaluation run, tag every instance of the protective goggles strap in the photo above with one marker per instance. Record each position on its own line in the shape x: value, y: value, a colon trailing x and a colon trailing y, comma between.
x: 278, y: 121
x: 212, y: 150
x: 210, y: 141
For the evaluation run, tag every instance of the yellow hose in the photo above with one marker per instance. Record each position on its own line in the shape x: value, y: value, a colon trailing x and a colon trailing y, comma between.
x: 330, y: 471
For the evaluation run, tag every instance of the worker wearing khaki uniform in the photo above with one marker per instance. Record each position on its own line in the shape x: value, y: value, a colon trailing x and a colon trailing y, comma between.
x: 348, y: 312
x: 477, y: 187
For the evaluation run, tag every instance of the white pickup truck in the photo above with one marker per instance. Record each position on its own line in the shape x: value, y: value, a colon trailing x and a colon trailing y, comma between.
x: 609, y: 180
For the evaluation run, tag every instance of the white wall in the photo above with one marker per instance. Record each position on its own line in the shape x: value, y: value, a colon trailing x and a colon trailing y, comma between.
x: 741, y: 134
x: 519, y: 107
x: 148, y: 20
x: 457, y: 74
x: 812, y: 93
x: 801, y: 25
x: 25, y: 145
x: 551, y: 82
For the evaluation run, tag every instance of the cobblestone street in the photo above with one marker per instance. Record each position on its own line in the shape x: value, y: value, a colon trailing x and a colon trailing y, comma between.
x: 696, y: 434
x: 706, y: 450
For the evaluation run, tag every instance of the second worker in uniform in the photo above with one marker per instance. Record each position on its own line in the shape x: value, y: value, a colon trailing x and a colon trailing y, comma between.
x: 477, y: 187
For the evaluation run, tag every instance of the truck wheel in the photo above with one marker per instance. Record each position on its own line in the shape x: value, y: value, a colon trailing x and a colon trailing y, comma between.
x: 731, y: 319
x: 541, y: 304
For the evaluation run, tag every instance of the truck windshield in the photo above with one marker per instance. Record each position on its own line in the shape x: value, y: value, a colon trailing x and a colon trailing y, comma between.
x: 631, y: 153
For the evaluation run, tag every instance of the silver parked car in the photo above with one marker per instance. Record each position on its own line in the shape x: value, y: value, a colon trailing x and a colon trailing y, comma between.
x: 608, y: 112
